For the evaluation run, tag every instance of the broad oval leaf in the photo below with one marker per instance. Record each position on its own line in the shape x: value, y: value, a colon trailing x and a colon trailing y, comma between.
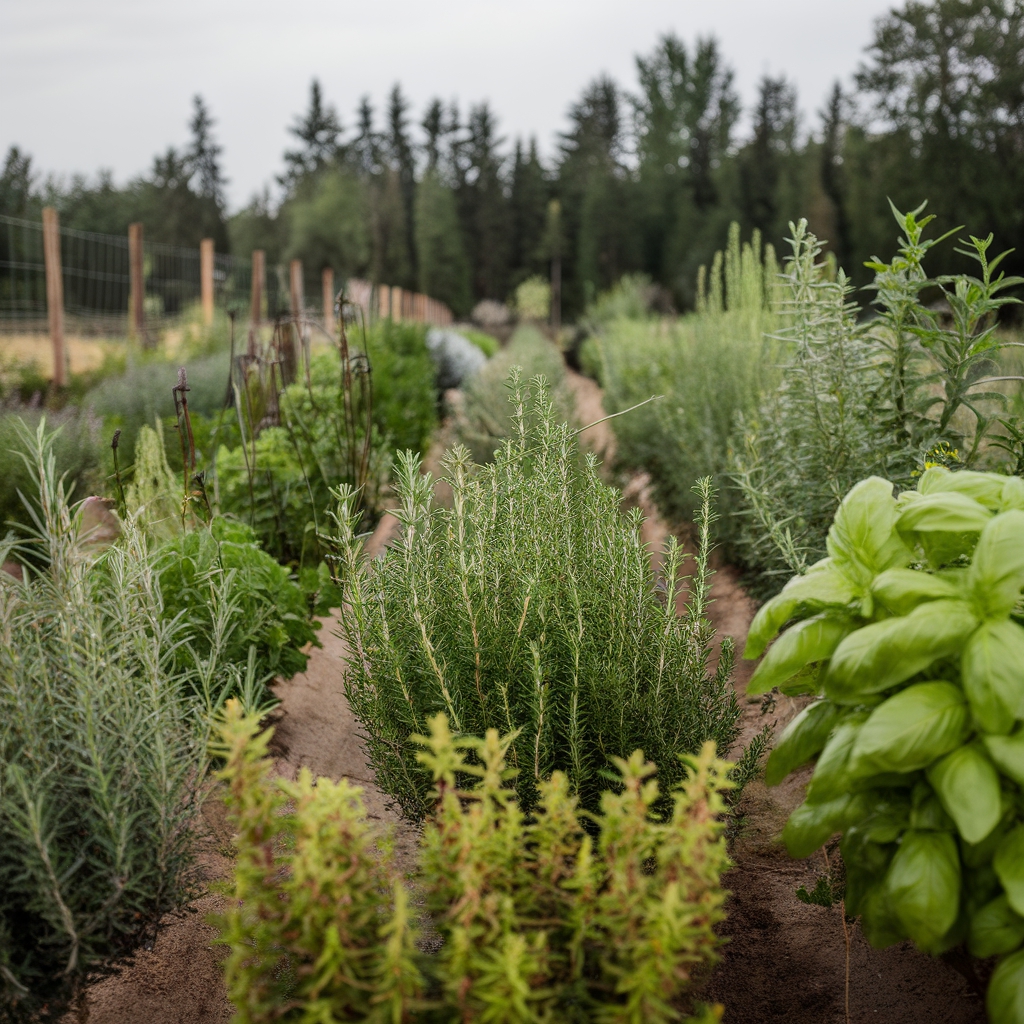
x: 809, y: 641
x: 1009, y: 866
x: 902, y: 590
x: 885, y: 654
x: 802, y: 595
x: 863, y: 539
x: 1008, y: 754
x: 1004, y: 1000
x: 984, y: 488
x: 832, y: 776
x: 812, y: 825
x: 967, y: 783
x: 913, y: 728
x: 996, y: 929
x: 804, y: 737
x: 924, y: 886
x: 992, y: 669
x: 996, y: 574
x: 945, y: 512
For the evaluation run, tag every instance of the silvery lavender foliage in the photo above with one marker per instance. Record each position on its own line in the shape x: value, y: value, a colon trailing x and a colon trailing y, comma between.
x: 456, y: 357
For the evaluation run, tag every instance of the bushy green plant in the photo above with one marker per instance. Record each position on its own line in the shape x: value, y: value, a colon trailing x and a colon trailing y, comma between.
x: 859, y: 397
x: 529, y: 606
x: 76, y: 449
x: 487, y: 343
x: 910, y: 633
x: 711, y: 366
x: 233, y: 596
x: 102, y: 739
x: 484, y: 419
x: 537, y: 919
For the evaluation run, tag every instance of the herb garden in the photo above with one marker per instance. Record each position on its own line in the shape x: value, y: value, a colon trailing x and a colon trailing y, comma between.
x: 543, y: 698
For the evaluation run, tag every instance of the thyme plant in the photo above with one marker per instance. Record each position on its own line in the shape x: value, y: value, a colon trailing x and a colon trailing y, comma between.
x: 529, y: 606
x: 534, y: 919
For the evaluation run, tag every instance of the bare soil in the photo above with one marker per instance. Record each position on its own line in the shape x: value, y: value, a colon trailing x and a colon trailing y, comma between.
x: 784, y: 961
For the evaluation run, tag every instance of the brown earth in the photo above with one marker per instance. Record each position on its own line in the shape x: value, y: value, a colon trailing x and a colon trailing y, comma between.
x: 784, y: 962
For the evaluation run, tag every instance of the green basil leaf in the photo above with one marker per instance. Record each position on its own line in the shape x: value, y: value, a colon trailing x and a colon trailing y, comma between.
x: 927, y: 813
x: 947, y: 512
x: 801, y: 596
x: 831, y: 775
x: 810, y: 826
x: 900, y: 591
x: 1013, y: 493
x: 1005, y: 998
x: 807, y: 642
x: 992, y: 669
x: 878, y: 918
x: 996, y: 574
x: 924, y: 886
x: 863, y: 539
x: 996, y: 929
x: 1009, y: 865
x: 1008, y: 754
x: 967, y: 783
x: 913, y: 728
x: 884, y: 654
x: 984, y: 488
x: 804, y: 737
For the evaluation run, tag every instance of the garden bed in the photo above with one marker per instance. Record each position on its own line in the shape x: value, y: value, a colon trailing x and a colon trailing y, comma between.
x: 785, y: 960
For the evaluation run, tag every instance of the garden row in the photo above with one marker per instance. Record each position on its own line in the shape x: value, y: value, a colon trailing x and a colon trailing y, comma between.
x: 515, y: 644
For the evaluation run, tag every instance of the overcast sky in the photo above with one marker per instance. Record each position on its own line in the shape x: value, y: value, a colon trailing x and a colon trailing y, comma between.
x: 86, y: 84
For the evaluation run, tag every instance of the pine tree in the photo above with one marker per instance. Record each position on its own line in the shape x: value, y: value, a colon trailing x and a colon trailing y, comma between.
x: 203, y: 158
x: 441, y: 257
x: 833, y: 174
x: 403, y: 164
x: 318, y: 131
x: 15, y: 182
x: 528, y: 201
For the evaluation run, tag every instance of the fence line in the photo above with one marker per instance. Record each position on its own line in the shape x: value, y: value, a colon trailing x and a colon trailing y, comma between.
x: 95, y: 285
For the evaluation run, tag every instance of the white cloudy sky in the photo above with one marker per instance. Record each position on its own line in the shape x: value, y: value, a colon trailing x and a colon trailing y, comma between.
x: 86, y: 84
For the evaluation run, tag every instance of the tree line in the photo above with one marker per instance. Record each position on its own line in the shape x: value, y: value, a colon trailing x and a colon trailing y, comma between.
x: 645, y: 178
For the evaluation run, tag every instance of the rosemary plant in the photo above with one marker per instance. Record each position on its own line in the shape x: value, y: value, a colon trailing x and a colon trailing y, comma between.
x: 101, y: 753
x: 529, y: 606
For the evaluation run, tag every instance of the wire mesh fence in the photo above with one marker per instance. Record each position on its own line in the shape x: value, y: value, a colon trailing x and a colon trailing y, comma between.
x: 97, y: 285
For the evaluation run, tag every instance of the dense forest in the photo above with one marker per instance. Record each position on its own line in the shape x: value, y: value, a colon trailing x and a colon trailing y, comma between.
x: 646, y: 177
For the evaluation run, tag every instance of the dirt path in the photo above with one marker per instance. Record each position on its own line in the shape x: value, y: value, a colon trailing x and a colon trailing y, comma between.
x: 785, y: 960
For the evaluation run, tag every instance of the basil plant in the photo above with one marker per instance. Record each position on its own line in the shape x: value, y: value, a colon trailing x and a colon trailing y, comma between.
x: 909, y: 635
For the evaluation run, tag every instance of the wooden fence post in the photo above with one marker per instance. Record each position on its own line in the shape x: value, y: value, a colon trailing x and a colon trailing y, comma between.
x: 383, y: 301
x: 327, y: 280
x: 136, y: 277
x: 257, y: 286
x: 206, y: 279
x: 55, y: 294
x: 295, y: 281
x: 396, y: 303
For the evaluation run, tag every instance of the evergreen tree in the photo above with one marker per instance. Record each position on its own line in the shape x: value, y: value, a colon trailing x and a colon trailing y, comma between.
x: 365, y: 149
x: 443, y: 270
x: 483, y: 206
x: 403, y: 164
x: 594, y: 189
x: 528, y: 201
x: 765, y: 163
x: 15, y: 183
x: 204, y: 156
x: 833, y: 173
x: 319, y: 130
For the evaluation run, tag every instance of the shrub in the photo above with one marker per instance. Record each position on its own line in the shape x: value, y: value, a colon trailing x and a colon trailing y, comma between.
x: 232, y: 596
x: 537, y: 919
x: 528, y: 606
x: 101, y: 755
x: 711, y: 366
x: 484, y: 419
x: 863, y: 397
x: 76, y: 448
x: 910, y: 634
